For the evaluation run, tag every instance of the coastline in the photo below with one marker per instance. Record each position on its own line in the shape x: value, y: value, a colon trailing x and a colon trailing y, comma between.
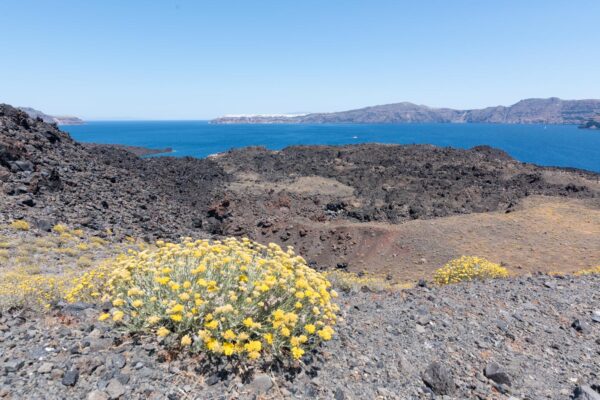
x: 139, y: 151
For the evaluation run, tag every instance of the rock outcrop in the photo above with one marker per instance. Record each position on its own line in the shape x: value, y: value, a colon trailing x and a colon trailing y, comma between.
x: 58, y: 119
x: 592, y: 123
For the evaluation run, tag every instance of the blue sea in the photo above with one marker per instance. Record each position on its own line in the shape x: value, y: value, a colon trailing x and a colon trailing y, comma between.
x: 553, y: 145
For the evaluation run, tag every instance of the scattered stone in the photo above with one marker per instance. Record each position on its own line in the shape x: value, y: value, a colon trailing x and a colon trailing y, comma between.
x: 115, y: 389
x: 13, y: 365
x: 70, y: 377
x: 580, y: 326
x: 45, y: 368
x: 261, y: 384
x: 212, y: 380
x: 494, y: 372
x: 339, y: 394
x: 438, y: 378
x: 586, y: 392
x: 97, y: 395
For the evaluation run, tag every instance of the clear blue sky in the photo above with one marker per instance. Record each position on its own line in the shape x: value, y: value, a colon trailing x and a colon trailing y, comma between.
x: 178, y: 59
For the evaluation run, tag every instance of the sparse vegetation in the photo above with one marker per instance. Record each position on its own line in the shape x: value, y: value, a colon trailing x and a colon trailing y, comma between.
x: 352, y: 282
x: 467, y: 268
x: 590, y: 271
x: 37, y: 271
x: 20, y: 225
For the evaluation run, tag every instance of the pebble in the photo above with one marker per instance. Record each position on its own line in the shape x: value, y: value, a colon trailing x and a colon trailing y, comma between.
x: 439, y: 379
x: 494, y: 372
x: 97, y: 395
x: 45, y: 368
x: 115, y: 389
x: 13, y: 365
x: 261, y: 384
x: 70, y: 377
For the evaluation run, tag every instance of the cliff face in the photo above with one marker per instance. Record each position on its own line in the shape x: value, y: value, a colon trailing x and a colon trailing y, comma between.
x: 529, y: 111
x: 49, y: 119
x: 592, y: 123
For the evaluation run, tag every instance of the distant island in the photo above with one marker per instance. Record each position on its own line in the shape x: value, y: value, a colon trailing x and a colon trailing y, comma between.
x: 529, y: 111
x: 592, y: 123
x: 57, y: 119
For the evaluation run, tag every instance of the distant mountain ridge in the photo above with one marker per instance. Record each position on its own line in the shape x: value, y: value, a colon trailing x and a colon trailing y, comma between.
x: 58, y: 119
x: 529, y: 111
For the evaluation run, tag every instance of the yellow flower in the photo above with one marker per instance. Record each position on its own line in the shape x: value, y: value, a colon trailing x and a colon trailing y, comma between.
x: 118, y: 315
x: 297, y: 352
x: 202, y: 282
x: 212, y: 324
x: 227, y: 308
x: 228, y: 348
x: 248, y: 322
x: 186, y: 340
x: 163, y: 332
x: 253, y: 355
x: 252, y: 346
x: 325, y: 333
x: 242, y: 337
x: 309, y: 328
x: 213, y: 345
x: 104, y: 317
x: 162, y: 280
x: 285, y: 332
x: 184, y: 297
x: 118, y: 302
x: 177, y: 308
x: 187, y: 284
x: 229, y: 335
x: 201, y: 268
x: 153, y: 319
x: 268, y: 338
x: 177, y: 317
x: 298, y: 340
x: 137, y: 303
x: 298, y: 305
x: 204, y: 334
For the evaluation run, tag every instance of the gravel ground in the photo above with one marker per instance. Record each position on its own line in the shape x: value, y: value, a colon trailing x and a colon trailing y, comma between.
x: 521, y: 338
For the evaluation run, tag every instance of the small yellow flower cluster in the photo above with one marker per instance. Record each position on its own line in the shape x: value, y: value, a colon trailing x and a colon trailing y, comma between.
x: 231, y: 298
x: 590, y: 271
x: 467, y: 268
x: 20, y: 225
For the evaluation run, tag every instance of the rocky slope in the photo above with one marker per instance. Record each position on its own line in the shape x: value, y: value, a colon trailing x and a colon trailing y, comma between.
x: 528, y: 111
x: 592, y: 123
x: 524, y: 338
x: 60, y: 120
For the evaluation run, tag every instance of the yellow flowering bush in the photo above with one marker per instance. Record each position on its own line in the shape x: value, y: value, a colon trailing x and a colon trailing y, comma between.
x: 20, y: 225
x: 467, y: 268
x: 229, y: 298
x: 590, y: 271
